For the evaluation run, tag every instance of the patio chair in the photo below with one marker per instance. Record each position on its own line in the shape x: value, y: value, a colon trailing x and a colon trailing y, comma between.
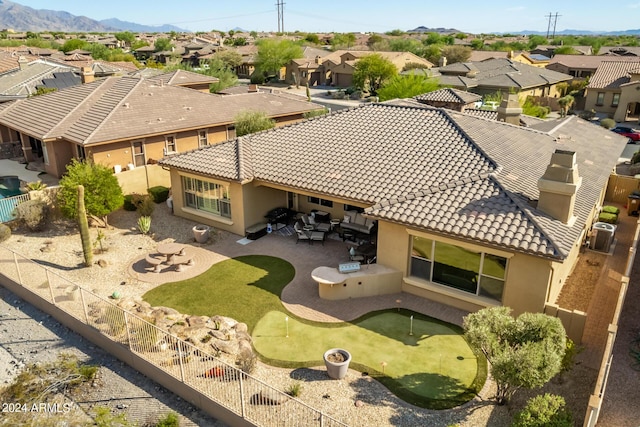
x: 317, y: 236
x: 301, y: 234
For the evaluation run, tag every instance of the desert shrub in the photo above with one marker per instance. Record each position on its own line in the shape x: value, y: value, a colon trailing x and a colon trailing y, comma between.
x: 608, y: 123
x: 247, y: 362
x: 129, y: 205
x: 543, y: 411
x: 5, y: 232
x: 608, y: 218
x: 294, y: 389
x: 169, y: 420
x: 635, y: 158
x: 611, y: 209
x: 158, y: 193
x: 36, y: 185
x: 144, y: 205
x: 33, y: 213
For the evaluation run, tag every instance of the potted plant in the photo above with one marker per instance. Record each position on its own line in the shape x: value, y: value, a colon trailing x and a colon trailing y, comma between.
x: 337, y: 362
x: 201, y: 233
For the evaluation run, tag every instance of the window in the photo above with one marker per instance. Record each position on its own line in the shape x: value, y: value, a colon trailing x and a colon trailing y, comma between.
x: 477, y: 273
x: 170, y: 144
x: 80, y: 152
x: 231, y: 132
x: 206, y: 196
x: 319, y: 201
x: 616, y: 100
x: 600, y: 100
x: 137, y: 148
x: 202, y: 138
x: 353, y: 208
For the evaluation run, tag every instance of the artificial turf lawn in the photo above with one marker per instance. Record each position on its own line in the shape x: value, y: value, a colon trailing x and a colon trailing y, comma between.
x: 243, y: 288
x: 434, y: 368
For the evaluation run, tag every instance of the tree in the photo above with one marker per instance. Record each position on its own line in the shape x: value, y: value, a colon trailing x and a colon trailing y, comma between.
x: 566, y: 102
x: 456, y: 53
x: 275, y: 54
x: 407, y: 86
x: 102, y: 196
x: 126, y: 36
x: 312, y: 38
x: 522, y: 353
x: 372, y: 71
x: 342, y: 41
x: 251, y: 122
x: 83, y: 225
x: 162, y: 44
x: 73, y: 44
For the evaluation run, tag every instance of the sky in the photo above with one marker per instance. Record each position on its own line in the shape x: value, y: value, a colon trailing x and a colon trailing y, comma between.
x: 360, y: 15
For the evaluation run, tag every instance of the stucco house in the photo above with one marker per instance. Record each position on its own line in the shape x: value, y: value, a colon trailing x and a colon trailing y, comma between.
x: 614, y: 90
x: 128, y: 122
x: 472, y: 212
x: 501, y: 74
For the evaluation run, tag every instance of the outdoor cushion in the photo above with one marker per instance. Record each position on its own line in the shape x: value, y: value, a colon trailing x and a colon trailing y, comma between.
x: 347, y: 219
x: 360, y: 220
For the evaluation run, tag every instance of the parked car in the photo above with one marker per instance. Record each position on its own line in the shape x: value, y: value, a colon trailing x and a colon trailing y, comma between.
x: 631, y: 133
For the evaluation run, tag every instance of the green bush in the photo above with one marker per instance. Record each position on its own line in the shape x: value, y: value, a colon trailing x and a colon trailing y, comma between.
x: 33, y: 213
x: 170, y: 420
x: 159, y: 193
x: 544, y: 411
x: 129, y: 205
x: 608, y: 123
x: 611, y: 209
x: 5, y: 232
x: 635, y: 158
x: 608, y: 218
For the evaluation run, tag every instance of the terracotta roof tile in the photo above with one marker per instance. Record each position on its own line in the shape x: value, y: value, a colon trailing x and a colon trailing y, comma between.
x: 612, y: 74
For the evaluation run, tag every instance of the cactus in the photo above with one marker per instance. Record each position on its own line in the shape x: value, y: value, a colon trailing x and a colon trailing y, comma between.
x: 144, y: 224
x: 84, y: 229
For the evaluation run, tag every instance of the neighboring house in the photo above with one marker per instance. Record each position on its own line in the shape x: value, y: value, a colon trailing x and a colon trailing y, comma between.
x: 453, y: 99
x: 473, y: 212
x: 128, y: 122
x: 340, y: 65
x: 143, y: 53
x: 249, y: 55
x: 307, y: 70
x: 504, y: 75
x: 187, y: 79
x: 582, y: 66
x: 614, y: 90
x: 26, y: 80
x: 11, y: 61
x: 549, y: 50
x: 619, y: 51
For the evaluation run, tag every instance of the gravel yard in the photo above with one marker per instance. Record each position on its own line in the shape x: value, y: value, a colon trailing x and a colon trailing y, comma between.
x: 28, y: 336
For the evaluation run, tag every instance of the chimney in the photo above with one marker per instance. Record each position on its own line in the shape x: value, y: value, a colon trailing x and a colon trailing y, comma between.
x: 509, y: 110
x: 22, y: 62
x: 442, y: 62
x: 318, y: 60
x: 559, y: 185
x: 87, y: 75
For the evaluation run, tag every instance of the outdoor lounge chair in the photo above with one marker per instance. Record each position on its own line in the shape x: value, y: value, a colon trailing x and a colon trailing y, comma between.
x: 301, y: 233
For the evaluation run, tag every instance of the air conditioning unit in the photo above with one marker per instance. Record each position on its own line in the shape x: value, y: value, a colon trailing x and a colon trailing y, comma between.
x: 602, y: 235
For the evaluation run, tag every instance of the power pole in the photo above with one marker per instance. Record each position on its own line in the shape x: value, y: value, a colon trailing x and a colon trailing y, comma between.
x: 280, y: 6
x: 555, y: 21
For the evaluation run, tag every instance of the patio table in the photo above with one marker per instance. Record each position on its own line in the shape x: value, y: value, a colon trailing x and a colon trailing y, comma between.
x: 170, y: 250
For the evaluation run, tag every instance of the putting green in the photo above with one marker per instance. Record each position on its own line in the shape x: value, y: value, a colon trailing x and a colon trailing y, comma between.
x: 434, y: 367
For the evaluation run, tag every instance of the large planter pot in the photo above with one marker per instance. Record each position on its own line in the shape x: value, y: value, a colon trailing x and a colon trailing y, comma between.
x: 337, y: 362
x: 201, y: 233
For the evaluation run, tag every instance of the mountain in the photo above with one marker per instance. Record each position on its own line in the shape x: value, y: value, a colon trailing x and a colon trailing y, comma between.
x: 422, y: 29
x: 569, y: 32
x: 24, y: 18
x: 140, y: 28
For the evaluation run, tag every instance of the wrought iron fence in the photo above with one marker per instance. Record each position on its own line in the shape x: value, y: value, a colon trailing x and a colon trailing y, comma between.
x: 246, y: 396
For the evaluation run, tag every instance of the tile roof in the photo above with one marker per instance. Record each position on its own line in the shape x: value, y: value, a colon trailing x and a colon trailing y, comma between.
x: 587, y: 61
x: 501, y: 73
x: 449, y: 95
x: 23, y: 82
x: 612, y: 74
x: 182, y: 77
x: 434, y: 169
x: 115, y: 108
